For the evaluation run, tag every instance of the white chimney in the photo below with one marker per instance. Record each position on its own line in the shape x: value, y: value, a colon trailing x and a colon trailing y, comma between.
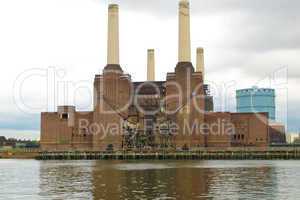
x: 200, y: 61
x: 151, y: 65
x: 113, y: 34
x: 184, y: 48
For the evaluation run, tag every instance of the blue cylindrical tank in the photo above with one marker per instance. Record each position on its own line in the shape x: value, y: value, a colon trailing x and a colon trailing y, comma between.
x: 256, y: 100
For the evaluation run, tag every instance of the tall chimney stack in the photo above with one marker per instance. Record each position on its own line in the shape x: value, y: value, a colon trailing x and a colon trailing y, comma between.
x: 184, y: 48
x: 200, y: 61
x: 113, y: 35
x: 151, y: 65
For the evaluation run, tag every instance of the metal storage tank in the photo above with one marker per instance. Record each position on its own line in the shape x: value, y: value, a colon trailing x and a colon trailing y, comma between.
x: 256, y: 100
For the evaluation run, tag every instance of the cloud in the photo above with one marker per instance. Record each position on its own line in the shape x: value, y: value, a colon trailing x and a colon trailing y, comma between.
x: 256, y: 35
x: 256, y: 25
x: 166, y: 7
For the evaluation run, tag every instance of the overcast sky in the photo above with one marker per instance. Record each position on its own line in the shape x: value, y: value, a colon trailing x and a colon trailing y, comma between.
x: 246, y: 43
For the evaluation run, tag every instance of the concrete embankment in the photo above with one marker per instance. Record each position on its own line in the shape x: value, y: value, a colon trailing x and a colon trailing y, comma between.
x: 18, y: 155
x: 287, y: 154
x: 284, y: 153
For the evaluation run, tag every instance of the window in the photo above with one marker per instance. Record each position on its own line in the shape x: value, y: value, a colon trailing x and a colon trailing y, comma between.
x: 65, y: 116
x: 83, y: 132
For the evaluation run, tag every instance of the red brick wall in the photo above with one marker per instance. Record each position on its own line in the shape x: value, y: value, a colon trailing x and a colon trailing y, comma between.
x: 55, y: 132
x: 254, y: 127
x: 82, y: 138
x: 219, y: 129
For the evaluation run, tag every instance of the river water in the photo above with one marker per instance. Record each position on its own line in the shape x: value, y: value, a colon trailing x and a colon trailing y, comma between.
x: 112, y: 180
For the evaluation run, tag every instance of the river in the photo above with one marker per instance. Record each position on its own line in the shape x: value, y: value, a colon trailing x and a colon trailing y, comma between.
x: 113, y: 180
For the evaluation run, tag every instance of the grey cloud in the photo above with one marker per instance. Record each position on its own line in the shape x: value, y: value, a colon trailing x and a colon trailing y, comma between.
x: 166, y: 7
x: 265, y: 33
x: 255, y: 31
x: 257, y: 25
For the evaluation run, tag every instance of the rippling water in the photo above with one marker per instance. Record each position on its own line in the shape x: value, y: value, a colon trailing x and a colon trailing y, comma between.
x: 30, y: 179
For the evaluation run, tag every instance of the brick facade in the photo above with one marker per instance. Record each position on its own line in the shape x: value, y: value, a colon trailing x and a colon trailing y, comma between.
x: 184, y: 105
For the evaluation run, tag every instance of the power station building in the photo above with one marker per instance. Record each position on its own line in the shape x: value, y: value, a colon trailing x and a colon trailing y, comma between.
x: 173, y: 114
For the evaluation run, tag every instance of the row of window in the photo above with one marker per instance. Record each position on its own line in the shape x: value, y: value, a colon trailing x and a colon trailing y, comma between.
x: 239, y: 137
x: 242, y: 137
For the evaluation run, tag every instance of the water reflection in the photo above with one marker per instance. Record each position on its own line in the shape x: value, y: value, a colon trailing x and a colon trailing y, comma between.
x: 112, y: 180
x: 149, y: 181
x: 65, y: 180
x: 181, y: 180
x: 244, y: 183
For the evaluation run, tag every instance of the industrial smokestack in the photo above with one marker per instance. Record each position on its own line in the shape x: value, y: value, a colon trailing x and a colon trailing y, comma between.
x: 113, y: 35
x: 151, y: 65
x: 200, y: 60
x: 184, y: 48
